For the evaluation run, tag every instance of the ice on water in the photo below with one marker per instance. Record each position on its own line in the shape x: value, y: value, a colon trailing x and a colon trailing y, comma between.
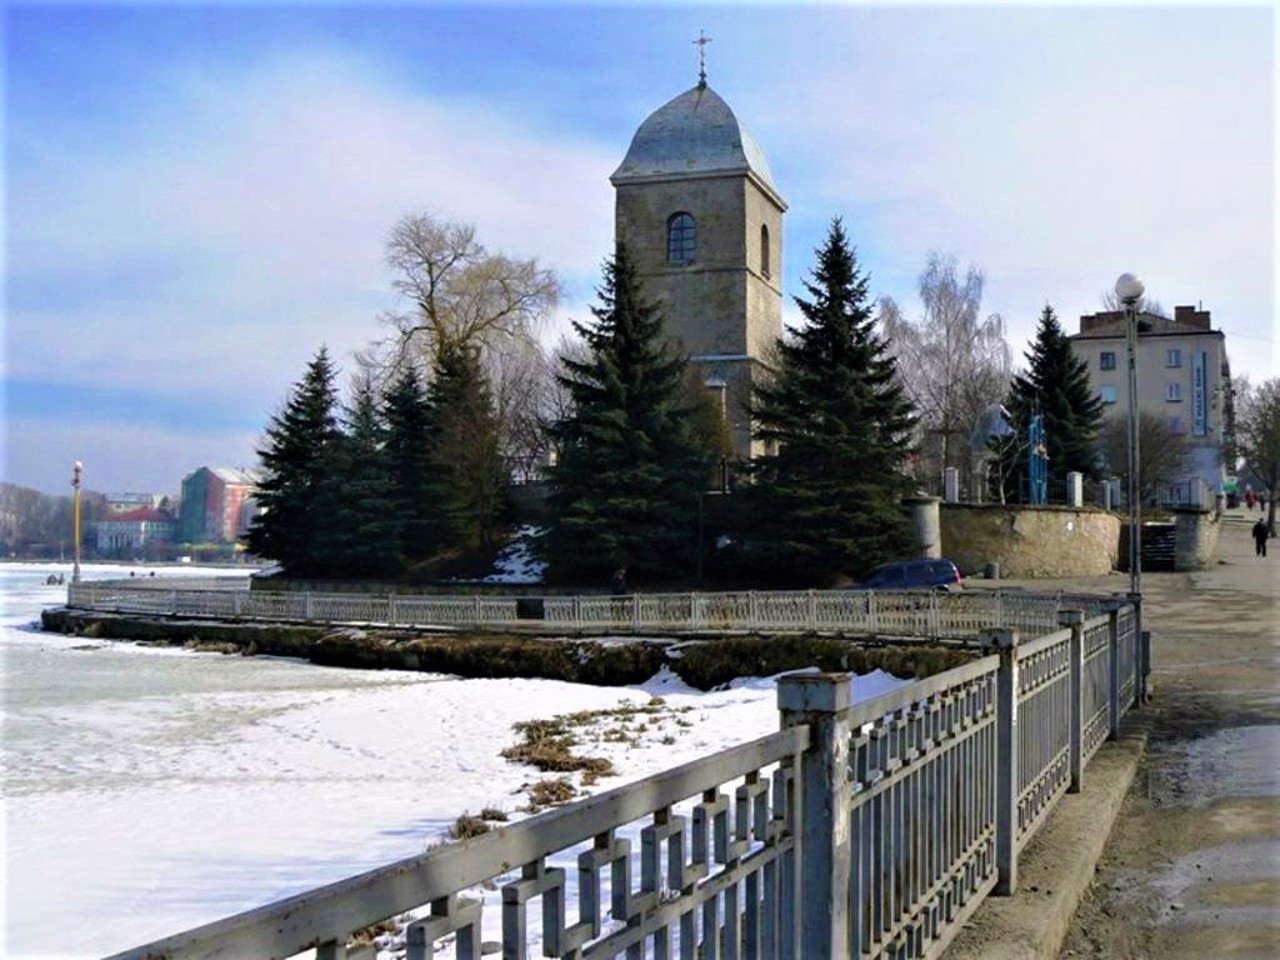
x: 150, y: 790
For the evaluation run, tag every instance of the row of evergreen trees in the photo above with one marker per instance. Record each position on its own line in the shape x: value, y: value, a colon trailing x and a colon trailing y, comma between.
x: 383, y: 486
x: 378, y: 486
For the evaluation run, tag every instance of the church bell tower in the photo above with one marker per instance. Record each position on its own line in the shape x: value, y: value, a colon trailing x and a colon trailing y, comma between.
x: 698, y: 210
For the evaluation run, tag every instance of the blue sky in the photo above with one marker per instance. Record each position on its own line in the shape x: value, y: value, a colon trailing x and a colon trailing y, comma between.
x: 197, y: 197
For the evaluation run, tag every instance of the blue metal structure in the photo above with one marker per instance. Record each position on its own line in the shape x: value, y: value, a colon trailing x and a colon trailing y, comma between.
x: 1037, y: 462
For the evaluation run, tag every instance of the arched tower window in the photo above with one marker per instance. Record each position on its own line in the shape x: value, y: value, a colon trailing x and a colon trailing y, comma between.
x: 764, y: 250
x: 682, y: 238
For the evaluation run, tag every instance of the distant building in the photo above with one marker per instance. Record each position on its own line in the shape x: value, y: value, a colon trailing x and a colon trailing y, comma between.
x: 117, y: 503
x: 133, y: 533
x: 217, y: 505
x: 1183, y: 376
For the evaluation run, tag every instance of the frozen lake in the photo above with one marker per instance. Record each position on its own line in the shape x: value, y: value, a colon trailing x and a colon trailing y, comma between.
x: 150, y: 790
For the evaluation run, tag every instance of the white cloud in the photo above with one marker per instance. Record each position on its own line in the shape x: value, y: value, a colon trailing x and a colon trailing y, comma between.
x: 258, y: 222
x: 1055, y: 149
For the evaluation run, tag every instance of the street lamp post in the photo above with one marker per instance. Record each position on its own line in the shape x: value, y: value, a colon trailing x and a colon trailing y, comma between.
x: 1129, y: 289
x: 75, y: 522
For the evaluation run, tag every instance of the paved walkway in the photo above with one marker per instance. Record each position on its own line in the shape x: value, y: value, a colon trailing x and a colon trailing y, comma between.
x: 1181, y: 817
x: 1192, y: 867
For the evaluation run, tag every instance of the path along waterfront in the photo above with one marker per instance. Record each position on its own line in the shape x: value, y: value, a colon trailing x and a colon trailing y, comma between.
x: 1192, y: 866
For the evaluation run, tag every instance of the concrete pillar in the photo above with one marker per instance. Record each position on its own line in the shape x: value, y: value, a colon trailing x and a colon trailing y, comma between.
x: 1195, y: 538
x: 1074, y: 620
x: 951, y: 485
x: 821, y: 700
x: 926, y: 519
x: 1005, y: 644
x: 1075, y: 489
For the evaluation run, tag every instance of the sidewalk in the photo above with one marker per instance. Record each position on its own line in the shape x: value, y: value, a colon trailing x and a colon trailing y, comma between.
x: 1185, y: 838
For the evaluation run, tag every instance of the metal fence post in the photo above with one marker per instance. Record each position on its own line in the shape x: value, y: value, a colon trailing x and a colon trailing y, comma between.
x: 306, y: 605
x: 1075, y: 752
x: 753, y: 620
x: 1005, y: 644
x: 391, y: 609
x: 1112, y: 610
x: 1143, y: 666
x: 821, y: 700
x: 813, y: 610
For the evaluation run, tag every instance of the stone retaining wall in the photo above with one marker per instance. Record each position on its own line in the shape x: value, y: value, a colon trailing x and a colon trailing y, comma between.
x: 1030, y: 542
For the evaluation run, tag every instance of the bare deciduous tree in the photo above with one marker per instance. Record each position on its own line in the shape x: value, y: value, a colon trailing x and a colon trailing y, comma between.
x: 1165, y: 455
x: 1258, y: 435
x: 458, y: 295
x: 954, y: 362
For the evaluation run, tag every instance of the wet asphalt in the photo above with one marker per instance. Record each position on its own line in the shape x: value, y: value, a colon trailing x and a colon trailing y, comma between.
x: 1192, y: 865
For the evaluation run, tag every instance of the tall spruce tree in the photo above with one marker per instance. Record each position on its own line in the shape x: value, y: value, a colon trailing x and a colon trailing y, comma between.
x: 409, y: 422
x: 468, y: 479
x: 1056, y: 385
x: 828, y: 500
x: 300, y: 483
x: 625, y: 488
x: 366, y: 523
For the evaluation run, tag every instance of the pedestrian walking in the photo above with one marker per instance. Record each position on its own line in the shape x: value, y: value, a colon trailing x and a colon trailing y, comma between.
x: 618, y: 585
x: 1260, y: 534
x: 1248, y: 500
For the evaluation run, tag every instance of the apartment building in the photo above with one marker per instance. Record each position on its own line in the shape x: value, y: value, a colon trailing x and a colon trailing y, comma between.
x: 217, y: 505
x: 1183, y: 376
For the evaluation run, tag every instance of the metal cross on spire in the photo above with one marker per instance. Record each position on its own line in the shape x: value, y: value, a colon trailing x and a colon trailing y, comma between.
x: 702, y: 42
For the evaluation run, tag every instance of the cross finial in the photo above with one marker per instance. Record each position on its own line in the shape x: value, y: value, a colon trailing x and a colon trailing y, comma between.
x: 702, y: 42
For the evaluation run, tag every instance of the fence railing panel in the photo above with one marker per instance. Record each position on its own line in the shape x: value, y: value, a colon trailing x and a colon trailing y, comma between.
x: 923, y: 814
x: 686, y: 860
x: 1096, y: 686
x: 1044, y: 729
x: 1127, y: 642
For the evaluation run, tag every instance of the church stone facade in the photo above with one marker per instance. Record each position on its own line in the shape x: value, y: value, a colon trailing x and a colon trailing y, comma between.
x: 697, y: 208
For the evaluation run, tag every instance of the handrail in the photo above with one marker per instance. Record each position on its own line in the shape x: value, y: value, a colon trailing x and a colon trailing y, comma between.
x: 333, y: 912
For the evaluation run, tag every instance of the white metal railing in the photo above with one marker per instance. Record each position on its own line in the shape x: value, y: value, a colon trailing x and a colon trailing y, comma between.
x: 904, y: 614
x: 870, y: 830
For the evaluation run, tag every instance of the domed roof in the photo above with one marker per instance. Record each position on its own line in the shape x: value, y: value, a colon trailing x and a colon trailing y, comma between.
x: 695, y: 133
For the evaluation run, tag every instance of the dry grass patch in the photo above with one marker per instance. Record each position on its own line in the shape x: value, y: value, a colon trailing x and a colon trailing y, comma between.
x: 550, y: 793
x: 468, y: 826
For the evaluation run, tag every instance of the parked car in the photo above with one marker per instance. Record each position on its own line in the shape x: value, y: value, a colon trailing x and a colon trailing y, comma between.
x: 912, y: 575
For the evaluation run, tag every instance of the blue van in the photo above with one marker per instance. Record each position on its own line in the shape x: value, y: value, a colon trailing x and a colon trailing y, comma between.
x: 912, y: 575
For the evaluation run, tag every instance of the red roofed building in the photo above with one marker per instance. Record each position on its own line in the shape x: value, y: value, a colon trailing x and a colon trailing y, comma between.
x: 134, y: 533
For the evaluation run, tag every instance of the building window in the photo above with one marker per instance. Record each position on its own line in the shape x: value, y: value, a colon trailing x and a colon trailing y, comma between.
x: 764, y: 250
x: 1173, y: 358
x: 1173, y: 393
x: 1107, y: 361
x: 682, y: 238
x: 1107, y: 394
x: 1176, y: 425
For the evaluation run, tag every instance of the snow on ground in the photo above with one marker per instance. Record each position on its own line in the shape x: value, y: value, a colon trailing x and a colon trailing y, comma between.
x: 516, y: 563
x: 149, y: 791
